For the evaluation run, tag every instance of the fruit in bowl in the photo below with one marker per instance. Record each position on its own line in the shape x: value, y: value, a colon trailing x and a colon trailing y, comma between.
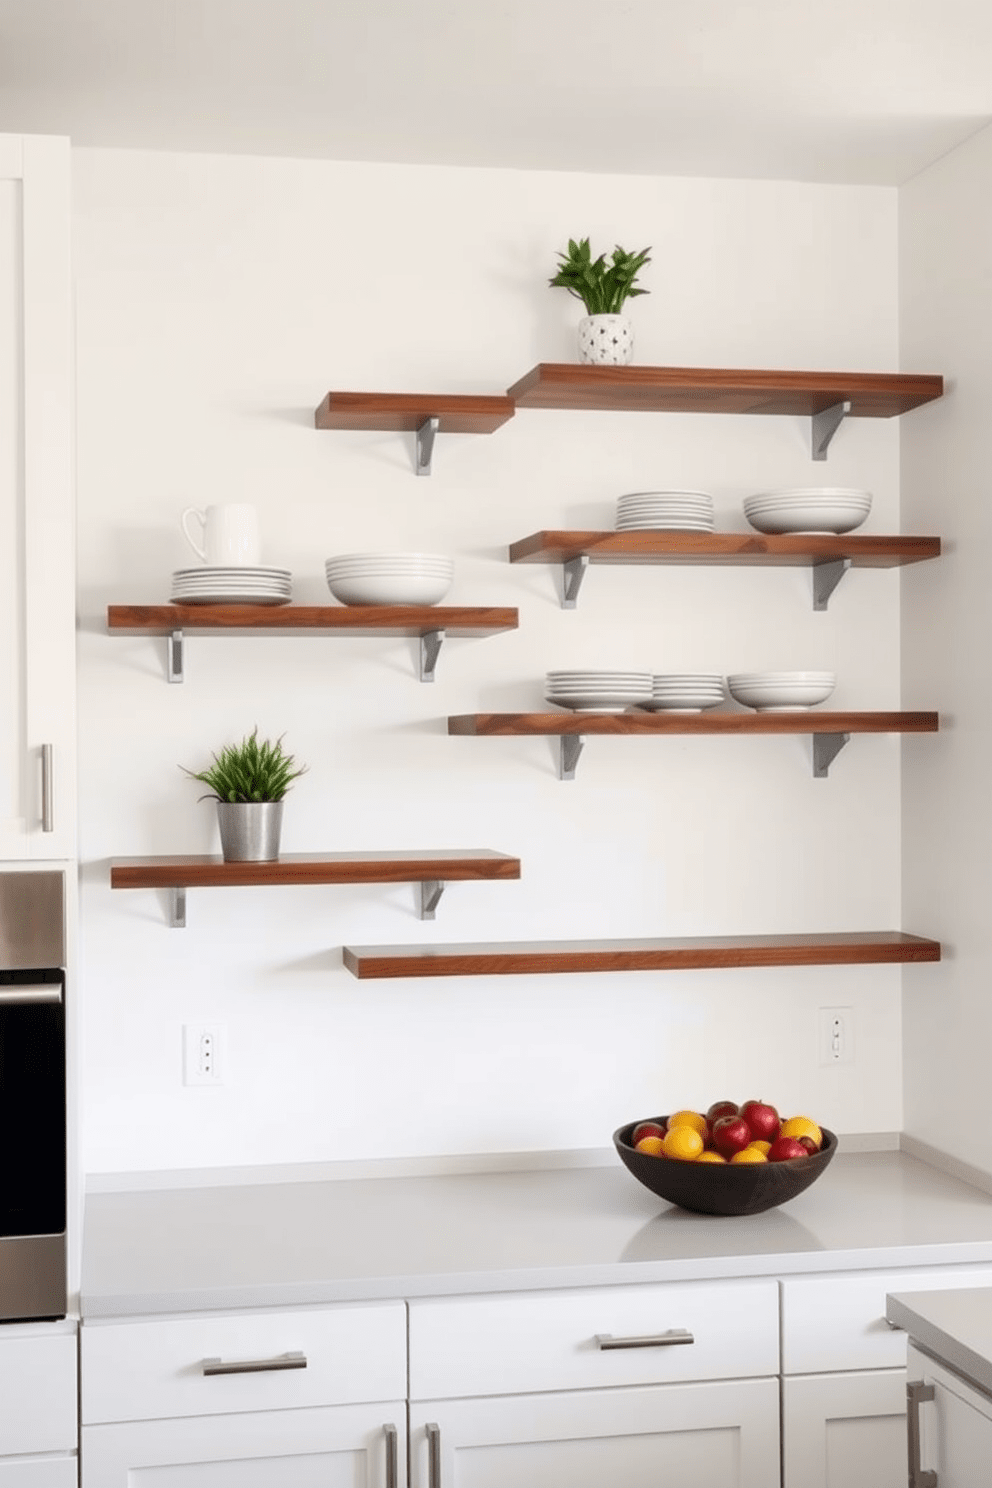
x: 732, y: 1160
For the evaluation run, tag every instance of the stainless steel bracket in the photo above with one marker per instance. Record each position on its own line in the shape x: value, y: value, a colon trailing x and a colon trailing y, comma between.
x: 431, y: 890
x: 430, y: 647
x: 177, y: 909
x: 573, y: 571
x: 426, y: 433
x: 174, y: 656
x: 826, y: 577
x: 826, y: 748
x: 825, y: 425
x: 570, y: 746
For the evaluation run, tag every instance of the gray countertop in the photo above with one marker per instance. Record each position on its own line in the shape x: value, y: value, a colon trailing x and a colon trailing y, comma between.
x: 954, y: 1326
x: 264, y: 1244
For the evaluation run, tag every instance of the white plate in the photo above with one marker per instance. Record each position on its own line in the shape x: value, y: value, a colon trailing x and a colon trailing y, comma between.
x: 247, y: 599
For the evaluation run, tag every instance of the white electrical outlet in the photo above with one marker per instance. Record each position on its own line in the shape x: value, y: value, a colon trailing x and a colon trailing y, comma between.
x: 203, y: 1053
x: 836, y: 1036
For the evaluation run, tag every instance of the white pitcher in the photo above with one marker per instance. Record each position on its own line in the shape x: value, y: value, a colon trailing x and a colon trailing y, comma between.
x: 229, y: 532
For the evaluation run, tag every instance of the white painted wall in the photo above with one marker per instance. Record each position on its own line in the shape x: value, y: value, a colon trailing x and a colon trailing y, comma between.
x: 946, y: 308
x: 217, y: 301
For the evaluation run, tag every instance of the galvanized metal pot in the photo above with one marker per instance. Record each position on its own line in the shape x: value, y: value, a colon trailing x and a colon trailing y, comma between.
x: 250, y: 830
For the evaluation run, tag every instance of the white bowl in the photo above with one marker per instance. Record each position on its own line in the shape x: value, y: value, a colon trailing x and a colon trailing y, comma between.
x: 780, y: 692
x: 389, y: 589
x: 830, y: 509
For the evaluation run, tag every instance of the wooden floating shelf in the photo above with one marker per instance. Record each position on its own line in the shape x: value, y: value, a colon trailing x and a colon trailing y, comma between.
x: 430, y: 869
x: 530, y: 958
x: 729, y: 549
x: 406, y: 412
x: 566, y: 385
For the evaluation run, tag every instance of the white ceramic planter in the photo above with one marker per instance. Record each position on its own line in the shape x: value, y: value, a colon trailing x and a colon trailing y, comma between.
x: 606, y: 340
x: 250, y: 830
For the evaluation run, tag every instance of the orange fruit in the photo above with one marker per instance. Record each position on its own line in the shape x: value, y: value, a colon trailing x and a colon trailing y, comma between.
x: 802, y: 1126
x: 689, y: 1118
x: 749, y: 1155
x: 683, y: 1142
x: 652, y: 1145
x: 709, y: 1156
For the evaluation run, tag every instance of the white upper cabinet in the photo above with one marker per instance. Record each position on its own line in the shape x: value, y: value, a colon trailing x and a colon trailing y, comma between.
x: 37, y: 541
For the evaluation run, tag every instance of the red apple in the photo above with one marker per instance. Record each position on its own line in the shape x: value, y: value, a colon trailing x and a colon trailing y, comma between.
x: 731, y: 1134
x: 646, y: 1129
x: 762, y: 1119
x: 810, y: 1143
x: 721, y: 1108
x: 784, y: 1149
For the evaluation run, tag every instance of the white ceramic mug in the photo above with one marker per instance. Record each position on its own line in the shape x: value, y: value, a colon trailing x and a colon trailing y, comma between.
x: 230, y: 534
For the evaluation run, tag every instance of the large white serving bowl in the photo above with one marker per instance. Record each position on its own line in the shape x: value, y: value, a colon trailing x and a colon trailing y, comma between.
x: 389, y: 578
x: 829, y: 509
x: 781, y: 692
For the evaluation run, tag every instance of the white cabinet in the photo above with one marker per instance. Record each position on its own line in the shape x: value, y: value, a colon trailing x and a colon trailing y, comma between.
x: 955, y: 1439
x: 37, y: 547
x: 632, y: 1385
x: 38, y: 1406
x: 311, y: 1399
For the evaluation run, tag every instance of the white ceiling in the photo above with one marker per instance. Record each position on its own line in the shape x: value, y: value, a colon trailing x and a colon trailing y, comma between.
x: 867, y: 91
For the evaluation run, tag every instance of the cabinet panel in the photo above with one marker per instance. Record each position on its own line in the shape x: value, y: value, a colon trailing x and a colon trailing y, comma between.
x: 155, y: 1369
x: 844, y: 1430
x: 553, y: 1340
x: 39, y: 1472
x: 955, y: 1428
x: 37, y: 1394
x: 334, y: 1447
x: 721, y: 1435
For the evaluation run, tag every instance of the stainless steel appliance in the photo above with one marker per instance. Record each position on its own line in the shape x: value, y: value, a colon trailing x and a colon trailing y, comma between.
x: 32, y: 1095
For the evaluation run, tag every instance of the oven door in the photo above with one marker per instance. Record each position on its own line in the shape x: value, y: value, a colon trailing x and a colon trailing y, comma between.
x: 32, y: 1144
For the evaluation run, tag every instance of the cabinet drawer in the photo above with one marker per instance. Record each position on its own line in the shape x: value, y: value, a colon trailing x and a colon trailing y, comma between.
x: 38, y: 1394
x: 838, y: 1322
x: 155, y: 1369
x: 562, y: 1340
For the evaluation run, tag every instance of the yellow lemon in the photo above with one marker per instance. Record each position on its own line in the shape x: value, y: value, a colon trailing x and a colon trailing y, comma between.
x: 711, y: 1156
x: 683, y: 1142
x: 748, y: 1155
x: 764, y: 1147
x: 691, y: 1119
x: 802, y: 1126
x: 652, y: 1145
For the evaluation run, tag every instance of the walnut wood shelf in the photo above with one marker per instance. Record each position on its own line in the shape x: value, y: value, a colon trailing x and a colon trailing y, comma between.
x: 432, y: 870
x: 432, y: 623
x: 528, y: 958
x: 422, y: 414
x: 828, y: 556
x: 829, y: 731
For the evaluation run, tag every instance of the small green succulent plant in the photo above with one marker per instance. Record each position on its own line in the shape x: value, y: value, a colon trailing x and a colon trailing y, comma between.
x: 601, y: 287
x: 249, y: 771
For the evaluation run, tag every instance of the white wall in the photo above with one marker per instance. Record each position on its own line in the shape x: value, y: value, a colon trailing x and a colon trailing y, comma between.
x: 946, y: 310
x: 217, y: 301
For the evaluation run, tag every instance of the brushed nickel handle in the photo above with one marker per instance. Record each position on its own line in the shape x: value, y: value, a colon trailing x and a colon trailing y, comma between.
x: 433, y: 1454
x: 916, y: 1394
x: 47, y: 807
x: 255, y: 1366
x: 645, y: 1340
x: 392, y: 1456
x: 46, y: 992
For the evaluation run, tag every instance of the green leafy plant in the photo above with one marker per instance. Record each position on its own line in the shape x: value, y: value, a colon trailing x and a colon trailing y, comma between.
x: 249, y: 771
x: 602, y: 288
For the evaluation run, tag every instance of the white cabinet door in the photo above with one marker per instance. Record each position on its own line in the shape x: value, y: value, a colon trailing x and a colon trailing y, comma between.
x: 844, y: 1430
x: 955, y: 1428
x: 39, y: 1472
x: 37, y: 545
x: 718, y: 1434
x: 348, y: 1446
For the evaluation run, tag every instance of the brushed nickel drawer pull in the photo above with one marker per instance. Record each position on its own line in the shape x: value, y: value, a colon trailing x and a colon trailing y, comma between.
x: 433, y: 1431
x: 47, y: 805
x: 295, y: 1360
x: 392, y: 1456
x: 917, y: 1392
x: 645, y: 1340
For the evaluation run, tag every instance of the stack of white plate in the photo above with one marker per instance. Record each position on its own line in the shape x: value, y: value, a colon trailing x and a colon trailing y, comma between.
x: 232, y: 585
x: 598, y: 692
x: 686, y: 692
x: 389, y: 578
x: 826, y: 509
x: 780, y: 692
x: 672, y: 511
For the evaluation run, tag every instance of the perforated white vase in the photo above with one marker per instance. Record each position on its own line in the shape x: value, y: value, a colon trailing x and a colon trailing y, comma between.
x: 606, y: 340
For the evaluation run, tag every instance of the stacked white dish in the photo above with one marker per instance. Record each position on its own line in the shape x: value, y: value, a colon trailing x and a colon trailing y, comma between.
x: 671, y: 511
x: 780, y: 692
x: 389, y: 578
x: 598, y: 692
x: 686, y: 692
x: 816, y: 509
x: 239, y: 584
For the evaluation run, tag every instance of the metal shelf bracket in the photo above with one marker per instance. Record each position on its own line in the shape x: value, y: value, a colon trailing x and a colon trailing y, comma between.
x: 825, y: 425
x: 826, y: 577
x: 430, y: 647
x: 425, y: 444
x: 573, y: 571
x: 826, y: 748
x: 570, y: 747
x: 431, y: 890
x: 174, y: 656
x: 177, y: 908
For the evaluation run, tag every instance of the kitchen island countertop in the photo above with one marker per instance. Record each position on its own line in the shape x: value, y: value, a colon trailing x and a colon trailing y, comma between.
x: 244, y: 1244
x: 954, y: 1326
